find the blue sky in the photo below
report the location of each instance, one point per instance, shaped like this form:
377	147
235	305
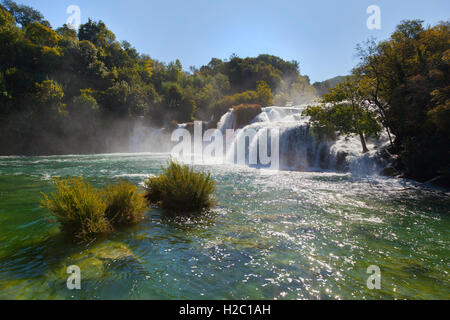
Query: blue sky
320	34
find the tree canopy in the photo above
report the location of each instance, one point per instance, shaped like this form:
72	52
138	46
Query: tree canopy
52	81
65	91
404	82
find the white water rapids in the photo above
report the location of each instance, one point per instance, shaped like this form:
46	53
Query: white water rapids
299	149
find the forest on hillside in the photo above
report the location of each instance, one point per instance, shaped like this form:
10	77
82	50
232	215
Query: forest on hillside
402	85
65	91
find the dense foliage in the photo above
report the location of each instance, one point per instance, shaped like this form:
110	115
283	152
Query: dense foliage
181	190
79	208
63	91
403	83
407	78
125	205
345	112
84	211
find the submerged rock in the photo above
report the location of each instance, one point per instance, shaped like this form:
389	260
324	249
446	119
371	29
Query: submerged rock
112	251
95	262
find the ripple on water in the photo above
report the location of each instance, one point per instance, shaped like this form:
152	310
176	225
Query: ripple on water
274	235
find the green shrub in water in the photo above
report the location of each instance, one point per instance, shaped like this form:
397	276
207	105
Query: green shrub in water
85	211
78	207
180	189
124	204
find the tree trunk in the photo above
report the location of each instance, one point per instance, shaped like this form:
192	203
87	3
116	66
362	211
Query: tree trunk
363	142
389	135
356	118
382	111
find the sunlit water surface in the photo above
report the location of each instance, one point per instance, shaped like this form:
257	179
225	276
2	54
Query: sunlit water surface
273	235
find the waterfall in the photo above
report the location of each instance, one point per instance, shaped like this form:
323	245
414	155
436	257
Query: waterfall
228	121
299	149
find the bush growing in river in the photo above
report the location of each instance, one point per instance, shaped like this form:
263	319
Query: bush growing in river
85	211
180	189
78	207
124	204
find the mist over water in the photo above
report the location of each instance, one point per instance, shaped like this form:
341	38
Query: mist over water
145	138
298	148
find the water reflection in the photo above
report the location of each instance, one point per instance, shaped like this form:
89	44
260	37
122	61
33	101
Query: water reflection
273	235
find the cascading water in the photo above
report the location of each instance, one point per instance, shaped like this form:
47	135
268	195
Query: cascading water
228	121
299	149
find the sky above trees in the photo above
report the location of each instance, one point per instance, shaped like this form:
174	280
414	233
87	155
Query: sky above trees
321	35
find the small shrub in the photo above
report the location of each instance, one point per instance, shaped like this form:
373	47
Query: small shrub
124	204
85	211
78	207
245	113
180	189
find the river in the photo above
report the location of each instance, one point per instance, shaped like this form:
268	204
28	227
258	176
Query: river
273	235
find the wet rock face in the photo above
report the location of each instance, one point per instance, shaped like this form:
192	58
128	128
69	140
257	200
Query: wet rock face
324	157
341	162
389	162
245	113
390	171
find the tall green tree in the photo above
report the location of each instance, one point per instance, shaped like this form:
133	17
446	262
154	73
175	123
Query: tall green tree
24	15
407	78
343	110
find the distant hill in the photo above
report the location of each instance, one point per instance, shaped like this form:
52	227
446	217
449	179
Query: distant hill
322	87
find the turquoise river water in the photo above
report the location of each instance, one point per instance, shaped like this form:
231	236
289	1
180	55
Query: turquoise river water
273	235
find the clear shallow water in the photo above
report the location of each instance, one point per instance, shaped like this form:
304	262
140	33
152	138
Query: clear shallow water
274	235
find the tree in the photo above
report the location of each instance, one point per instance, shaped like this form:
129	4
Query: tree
146	69
344	111
85	103
24	15
97	33
116	99
174	71
406	78
7	21
173	96
301	91
49	98
264	94
67	33
41	35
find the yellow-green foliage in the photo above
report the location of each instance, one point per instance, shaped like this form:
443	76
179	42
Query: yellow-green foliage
125	205
85	211
41	35
78	207
180	189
